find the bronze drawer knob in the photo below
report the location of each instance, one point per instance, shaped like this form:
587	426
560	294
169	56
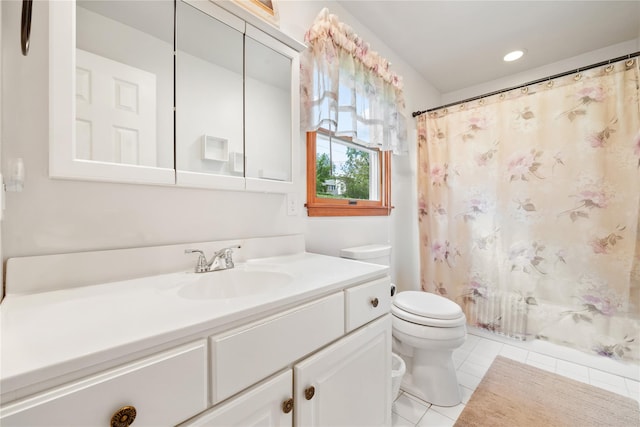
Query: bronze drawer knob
309	393
123	417
287	406
374	302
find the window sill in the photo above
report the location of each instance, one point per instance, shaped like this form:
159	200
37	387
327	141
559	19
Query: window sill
324	210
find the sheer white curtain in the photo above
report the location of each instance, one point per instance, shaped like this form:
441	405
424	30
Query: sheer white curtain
349	89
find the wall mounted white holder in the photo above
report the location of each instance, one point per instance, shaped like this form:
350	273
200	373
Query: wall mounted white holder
214	148
15	175
237	162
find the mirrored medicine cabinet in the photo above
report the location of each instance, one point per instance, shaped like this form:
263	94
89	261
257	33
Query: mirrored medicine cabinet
173	93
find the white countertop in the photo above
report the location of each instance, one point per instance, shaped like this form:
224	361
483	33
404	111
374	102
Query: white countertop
51	334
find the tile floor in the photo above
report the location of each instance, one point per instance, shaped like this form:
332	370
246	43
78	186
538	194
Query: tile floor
473	359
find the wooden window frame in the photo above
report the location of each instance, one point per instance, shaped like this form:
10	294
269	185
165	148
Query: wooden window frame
320	206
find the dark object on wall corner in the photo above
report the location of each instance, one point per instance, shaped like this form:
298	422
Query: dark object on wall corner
25	26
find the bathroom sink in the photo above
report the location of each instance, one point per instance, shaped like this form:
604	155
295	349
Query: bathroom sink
232	283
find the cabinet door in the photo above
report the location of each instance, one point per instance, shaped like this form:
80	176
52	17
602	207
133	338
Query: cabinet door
263	405
111	91
349	382
271	112
209	97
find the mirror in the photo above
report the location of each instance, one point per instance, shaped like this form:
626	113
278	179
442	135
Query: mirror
267	112
124	82
209	99
166	92
111	91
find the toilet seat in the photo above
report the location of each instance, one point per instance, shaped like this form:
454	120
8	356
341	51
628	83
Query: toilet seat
427	309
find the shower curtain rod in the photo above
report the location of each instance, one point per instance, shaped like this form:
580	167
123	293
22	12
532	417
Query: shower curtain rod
555	76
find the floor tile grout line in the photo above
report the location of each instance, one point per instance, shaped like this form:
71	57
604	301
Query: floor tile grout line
627	381
408	421
586	360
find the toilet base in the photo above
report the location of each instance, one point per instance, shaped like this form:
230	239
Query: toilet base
434	382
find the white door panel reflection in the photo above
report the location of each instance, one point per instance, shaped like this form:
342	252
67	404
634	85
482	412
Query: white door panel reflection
115	111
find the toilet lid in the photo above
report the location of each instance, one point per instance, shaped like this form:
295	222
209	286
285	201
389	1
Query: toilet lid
428	305
428	321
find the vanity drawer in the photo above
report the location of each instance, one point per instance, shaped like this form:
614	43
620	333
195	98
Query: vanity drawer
164	389
249	354
367	302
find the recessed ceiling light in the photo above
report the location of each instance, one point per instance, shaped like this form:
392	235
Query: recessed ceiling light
512	56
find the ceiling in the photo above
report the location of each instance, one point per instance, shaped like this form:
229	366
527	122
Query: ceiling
458	44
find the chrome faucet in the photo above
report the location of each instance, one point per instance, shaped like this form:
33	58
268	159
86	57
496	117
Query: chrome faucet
221	260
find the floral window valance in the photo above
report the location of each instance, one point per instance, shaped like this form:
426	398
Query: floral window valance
349	89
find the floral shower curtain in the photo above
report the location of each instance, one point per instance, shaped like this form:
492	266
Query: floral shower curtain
533	195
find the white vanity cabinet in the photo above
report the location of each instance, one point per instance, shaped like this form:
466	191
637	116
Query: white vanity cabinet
312	355
163	390
346	383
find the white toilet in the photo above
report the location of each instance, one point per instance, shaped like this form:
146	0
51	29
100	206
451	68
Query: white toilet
427	328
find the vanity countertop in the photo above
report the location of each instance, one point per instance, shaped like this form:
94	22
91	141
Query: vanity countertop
50	334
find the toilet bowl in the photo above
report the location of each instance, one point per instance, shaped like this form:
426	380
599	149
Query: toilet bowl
427	328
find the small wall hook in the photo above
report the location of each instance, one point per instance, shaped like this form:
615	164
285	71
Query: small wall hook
25	26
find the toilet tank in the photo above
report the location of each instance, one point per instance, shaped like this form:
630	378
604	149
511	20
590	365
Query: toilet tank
376	254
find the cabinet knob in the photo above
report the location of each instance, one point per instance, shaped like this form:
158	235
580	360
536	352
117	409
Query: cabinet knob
123	417
287	406
309	392
374	302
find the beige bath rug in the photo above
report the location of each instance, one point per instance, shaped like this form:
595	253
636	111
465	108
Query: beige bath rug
516	395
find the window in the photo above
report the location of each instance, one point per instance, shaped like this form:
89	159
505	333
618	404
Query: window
346	179
348	88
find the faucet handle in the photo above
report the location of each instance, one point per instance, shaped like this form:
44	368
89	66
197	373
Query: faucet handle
190	251
226	252
202	264
227	255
